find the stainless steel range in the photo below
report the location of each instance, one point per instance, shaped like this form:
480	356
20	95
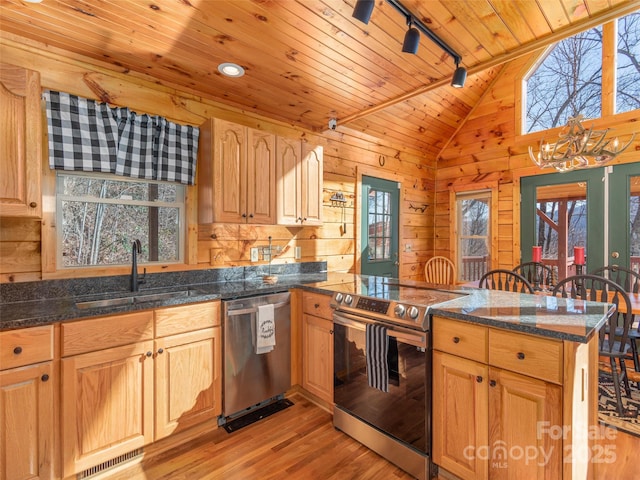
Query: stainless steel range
383	394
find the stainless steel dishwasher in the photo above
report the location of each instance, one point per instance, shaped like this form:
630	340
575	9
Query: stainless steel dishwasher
252	379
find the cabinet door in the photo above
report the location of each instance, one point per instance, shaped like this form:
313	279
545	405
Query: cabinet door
188	380
26	422
107	405
525	419
229	172
312	174
20	143
289	175
261	177
317	362
460	390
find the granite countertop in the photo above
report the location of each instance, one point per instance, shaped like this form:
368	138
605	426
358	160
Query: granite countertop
565	319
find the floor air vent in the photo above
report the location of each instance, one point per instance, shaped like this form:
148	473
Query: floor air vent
114	462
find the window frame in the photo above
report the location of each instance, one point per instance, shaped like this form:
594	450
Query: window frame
489	189
609	79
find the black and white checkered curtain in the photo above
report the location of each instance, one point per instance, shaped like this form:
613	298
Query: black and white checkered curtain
92	137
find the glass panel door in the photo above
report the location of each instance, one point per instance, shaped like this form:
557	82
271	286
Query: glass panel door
380	213
596	208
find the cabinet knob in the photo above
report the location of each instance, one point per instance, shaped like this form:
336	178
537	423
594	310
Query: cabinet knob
160	351
44	377
330	332
316	305
149	354
251	215
17	350
492	383
456	339
244	215
305	219
33	204
479	379
520	356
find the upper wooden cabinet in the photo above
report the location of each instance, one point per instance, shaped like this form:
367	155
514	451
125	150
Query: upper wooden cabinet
236	174
247	175
20	142
299	171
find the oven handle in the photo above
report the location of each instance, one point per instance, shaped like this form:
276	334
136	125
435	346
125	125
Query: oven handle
359	323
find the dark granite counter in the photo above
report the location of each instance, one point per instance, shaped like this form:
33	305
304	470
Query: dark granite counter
565	319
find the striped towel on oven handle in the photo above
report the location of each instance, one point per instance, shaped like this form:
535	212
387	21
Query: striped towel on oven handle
377	347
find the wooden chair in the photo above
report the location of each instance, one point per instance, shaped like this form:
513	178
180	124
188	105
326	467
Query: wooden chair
506	280
630	283
627	279
600	289
539	275
440	270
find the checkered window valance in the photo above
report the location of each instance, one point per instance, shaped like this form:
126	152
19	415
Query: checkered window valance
93	137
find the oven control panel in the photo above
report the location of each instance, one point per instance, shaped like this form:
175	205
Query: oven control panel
373	305
386	310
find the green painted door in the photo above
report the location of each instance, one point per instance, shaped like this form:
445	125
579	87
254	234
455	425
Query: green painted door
602	208
624	216
380	211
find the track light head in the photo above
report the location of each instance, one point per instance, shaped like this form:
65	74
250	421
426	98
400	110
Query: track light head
459	77
411	40
363	9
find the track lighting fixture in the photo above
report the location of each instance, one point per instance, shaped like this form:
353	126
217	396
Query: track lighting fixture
411	39
459	76
363	9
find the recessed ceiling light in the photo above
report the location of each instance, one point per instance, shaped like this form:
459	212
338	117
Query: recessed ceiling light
33	1
231	69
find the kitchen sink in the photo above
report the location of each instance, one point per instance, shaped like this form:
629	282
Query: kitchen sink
149	297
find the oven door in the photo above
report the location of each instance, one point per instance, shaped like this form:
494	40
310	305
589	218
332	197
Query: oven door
402	412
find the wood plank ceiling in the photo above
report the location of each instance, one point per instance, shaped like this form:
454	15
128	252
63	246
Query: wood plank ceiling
307	61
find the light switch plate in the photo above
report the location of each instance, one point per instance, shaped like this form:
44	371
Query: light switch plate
254	254
298	254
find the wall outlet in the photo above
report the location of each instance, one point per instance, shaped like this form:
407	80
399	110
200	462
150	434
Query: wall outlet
407	247
254	254
298	254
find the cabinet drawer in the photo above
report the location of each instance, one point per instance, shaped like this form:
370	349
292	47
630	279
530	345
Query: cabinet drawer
106	332
26	346
187	318
460	338
317	304
534	356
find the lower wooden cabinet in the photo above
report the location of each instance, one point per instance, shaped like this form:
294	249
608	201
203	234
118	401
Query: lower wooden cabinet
188	380
26	422
28	388
119	394
499	423
317	345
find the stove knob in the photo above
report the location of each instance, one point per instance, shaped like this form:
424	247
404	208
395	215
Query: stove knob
399	310
348	299
339	297
413	313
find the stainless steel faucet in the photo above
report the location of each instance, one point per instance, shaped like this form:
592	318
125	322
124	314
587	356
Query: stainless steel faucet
136	279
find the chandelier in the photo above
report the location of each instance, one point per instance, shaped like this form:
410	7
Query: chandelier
578	148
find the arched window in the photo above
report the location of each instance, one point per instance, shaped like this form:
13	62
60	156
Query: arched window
568	80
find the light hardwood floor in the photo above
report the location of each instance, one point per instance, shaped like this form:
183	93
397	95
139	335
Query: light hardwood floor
301	443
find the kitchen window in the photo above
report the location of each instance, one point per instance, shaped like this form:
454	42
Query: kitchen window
100	215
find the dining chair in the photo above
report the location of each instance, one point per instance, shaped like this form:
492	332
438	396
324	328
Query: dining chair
616	346
629	280
440	270
539	275
507	280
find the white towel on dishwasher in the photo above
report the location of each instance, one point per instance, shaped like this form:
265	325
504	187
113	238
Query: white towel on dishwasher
265	329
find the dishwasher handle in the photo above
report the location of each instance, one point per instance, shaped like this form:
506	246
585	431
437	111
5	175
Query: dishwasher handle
244	311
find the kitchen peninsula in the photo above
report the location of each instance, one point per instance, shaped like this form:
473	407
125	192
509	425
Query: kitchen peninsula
499	359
